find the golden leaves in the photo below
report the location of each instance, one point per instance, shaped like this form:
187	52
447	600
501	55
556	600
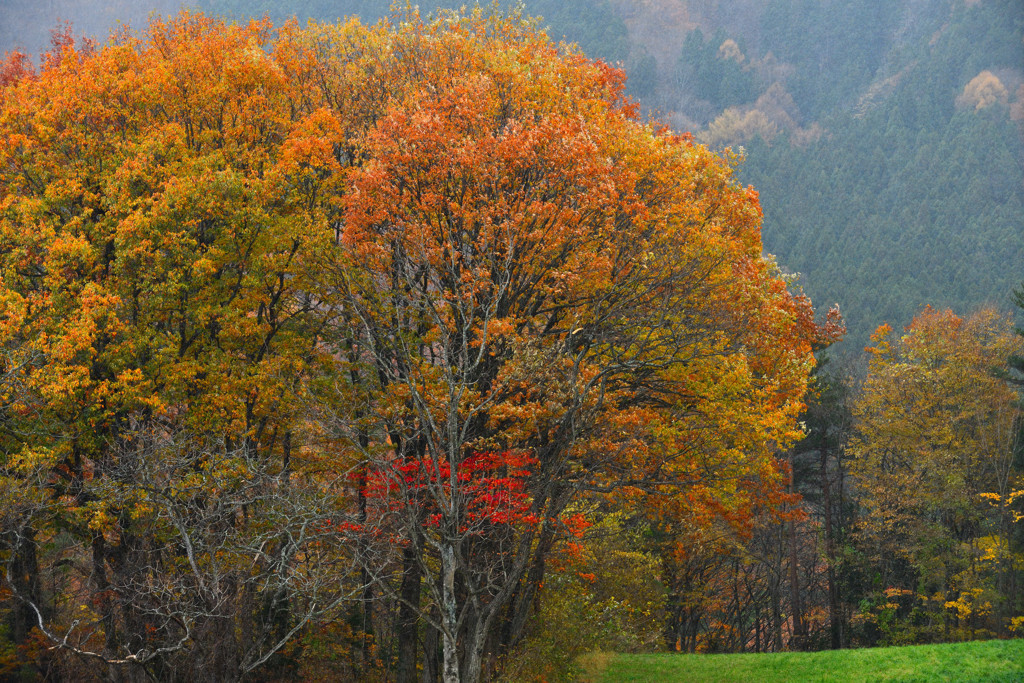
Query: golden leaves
934	425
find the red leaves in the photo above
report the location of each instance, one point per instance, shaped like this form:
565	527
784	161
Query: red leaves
15	67
833	329
490	488
63	46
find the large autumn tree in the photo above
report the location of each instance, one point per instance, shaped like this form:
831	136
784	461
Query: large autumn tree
406	296
527	269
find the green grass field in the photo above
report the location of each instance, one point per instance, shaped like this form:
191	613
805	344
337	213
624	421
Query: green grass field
993	660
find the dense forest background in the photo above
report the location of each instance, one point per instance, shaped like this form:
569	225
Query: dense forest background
884	137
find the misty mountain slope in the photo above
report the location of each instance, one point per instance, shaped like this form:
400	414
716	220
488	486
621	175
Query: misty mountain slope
915	195
885	138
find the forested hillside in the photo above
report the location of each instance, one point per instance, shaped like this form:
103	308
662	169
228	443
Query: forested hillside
885	138
911	190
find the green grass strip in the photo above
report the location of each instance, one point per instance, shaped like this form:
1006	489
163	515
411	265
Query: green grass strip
993	660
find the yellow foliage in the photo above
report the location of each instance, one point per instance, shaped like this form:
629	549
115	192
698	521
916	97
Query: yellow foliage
730	50
982	91
734	126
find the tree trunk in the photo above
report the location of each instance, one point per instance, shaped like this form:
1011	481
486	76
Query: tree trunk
523	600
25	577
775	589
795	599
757	622
834	617
449	616
474	655
408	623
740	633
430	672
101	593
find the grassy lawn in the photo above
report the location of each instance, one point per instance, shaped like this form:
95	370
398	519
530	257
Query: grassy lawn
993	660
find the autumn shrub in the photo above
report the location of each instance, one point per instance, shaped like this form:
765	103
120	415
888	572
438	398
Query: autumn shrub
602	596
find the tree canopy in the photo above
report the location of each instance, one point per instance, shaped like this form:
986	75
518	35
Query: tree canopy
300	319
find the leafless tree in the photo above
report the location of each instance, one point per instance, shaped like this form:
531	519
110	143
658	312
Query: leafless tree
202	563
